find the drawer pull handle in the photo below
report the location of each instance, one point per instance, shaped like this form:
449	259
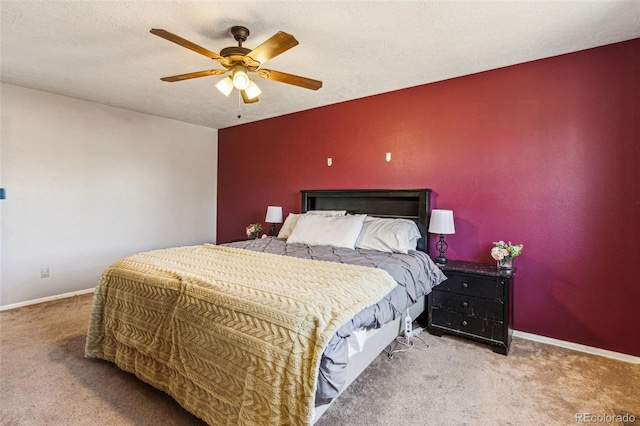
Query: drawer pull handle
464	323
465	285
465	304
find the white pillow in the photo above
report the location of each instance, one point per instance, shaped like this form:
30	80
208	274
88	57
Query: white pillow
336	231
328	212
292	219
288	225
390	235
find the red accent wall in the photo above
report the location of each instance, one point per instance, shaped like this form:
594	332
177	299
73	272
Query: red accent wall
545	153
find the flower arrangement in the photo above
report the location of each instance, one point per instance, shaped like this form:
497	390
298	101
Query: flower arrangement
505	251
253	230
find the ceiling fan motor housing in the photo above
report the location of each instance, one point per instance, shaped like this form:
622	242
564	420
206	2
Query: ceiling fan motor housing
228	52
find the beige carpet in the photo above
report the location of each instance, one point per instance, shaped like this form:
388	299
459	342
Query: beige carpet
45	380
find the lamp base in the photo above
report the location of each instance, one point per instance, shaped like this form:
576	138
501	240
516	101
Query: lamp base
441	260
273	231
441	246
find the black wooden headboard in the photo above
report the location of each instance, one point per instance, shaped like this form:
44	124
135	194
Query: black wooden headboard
414	204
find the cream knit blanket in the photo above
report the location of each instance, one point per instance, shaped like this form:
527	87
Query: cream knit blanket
235	336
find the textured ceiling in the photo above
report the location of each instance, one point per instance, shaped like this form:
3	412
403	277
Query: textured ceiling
102	51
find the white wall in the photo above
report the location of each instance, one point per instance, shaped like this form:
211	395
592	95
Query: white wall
88	184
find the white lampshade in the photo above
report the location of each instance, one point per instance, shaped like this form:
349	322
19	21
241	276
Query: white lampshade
252	90
240	77
225	86
442	222
274	214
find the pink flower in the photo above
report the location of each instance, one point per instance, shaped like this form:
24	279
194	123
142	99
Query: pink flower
499	253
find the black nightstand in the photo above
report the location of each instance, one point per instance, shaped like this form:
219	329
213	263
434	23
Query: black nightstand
476	302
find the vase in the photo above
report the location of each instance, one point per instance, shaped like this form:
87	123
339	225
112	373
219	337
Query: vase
506	264
253	236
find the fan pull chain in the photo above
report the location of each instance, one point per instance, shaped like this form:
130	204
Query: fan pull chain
239	105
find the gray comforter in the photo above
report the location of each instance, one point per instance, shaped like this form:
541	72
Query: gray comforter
415	273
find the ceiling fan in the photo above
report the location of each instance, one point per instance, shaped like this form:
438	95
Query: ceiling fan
240	61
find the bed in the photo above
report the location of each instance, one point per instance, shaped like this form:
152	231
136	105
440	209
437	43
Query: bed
255	332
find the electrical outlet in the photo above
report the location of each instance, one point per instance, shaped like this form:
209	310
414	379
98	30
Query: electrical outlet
44	273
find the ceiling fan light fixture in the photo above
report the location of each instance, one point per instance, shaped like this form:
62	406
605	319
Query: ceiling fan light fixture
252	90
240	78
225	86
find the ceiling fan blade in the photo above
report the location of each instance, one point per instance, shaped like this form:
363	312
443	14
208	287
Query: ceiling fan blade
193	75
246	99
189	45
277	44
296	80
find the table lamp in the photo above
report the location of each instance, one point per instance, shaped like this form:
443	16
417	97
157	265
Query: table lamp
274	215
441	222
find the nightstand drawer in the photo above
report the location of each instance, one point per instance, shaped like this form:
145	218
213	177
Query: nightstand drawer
467	323
483	308
488	288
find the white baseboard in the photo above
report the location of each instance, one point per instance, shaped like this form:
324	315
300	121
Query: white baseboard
578	347
46	299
